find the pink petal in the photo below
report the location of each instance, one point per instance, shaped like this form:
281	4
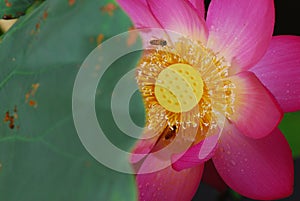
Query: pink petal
179	16
160	154
143	146
197	154
199	6
241	30
143	20
279	71
256	112
169	184
259	169
211	177
139	13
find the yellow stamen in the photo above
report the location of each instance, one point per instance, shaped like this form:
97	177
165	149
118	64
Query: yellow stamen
179	88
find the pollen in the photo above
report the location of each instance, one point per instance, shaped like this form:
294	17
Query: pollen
179	88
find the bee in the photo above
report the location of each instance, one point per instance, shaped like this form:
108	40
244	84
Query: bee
167	136
160	42
170	133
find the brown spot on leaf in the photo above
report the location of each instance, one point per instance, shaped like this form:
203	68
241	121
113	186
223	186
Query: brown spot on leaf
32	103
10	119
29	96
109	9
45	15
92	39
7	3
12	124
132	37
6	117
37	26
16	116
34	88
16	112
7	17
72	2
100	38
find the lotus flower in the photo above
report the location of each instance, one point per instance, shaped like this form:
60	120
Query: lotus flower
225	68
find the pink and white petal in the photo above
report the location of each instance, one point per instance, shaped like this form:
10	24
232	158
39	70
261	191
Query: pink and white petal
150	136
168	184
240	31
211	177
256	112
139	13
179	16
143	146
259	169
279	71
143	20
199	6
197	154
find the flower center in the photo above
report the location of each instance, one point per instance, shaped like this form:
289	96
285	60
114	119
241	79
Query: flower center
185	88
179	88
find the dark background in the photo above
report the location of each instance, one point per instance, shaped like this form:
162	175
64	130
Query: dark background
287	23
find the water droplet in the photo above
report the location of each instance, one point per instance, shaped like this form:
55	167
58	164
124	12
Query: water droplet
233	162
154	195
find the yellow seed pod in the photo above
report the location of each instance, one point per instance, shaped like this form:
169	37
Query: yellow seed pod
179	88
